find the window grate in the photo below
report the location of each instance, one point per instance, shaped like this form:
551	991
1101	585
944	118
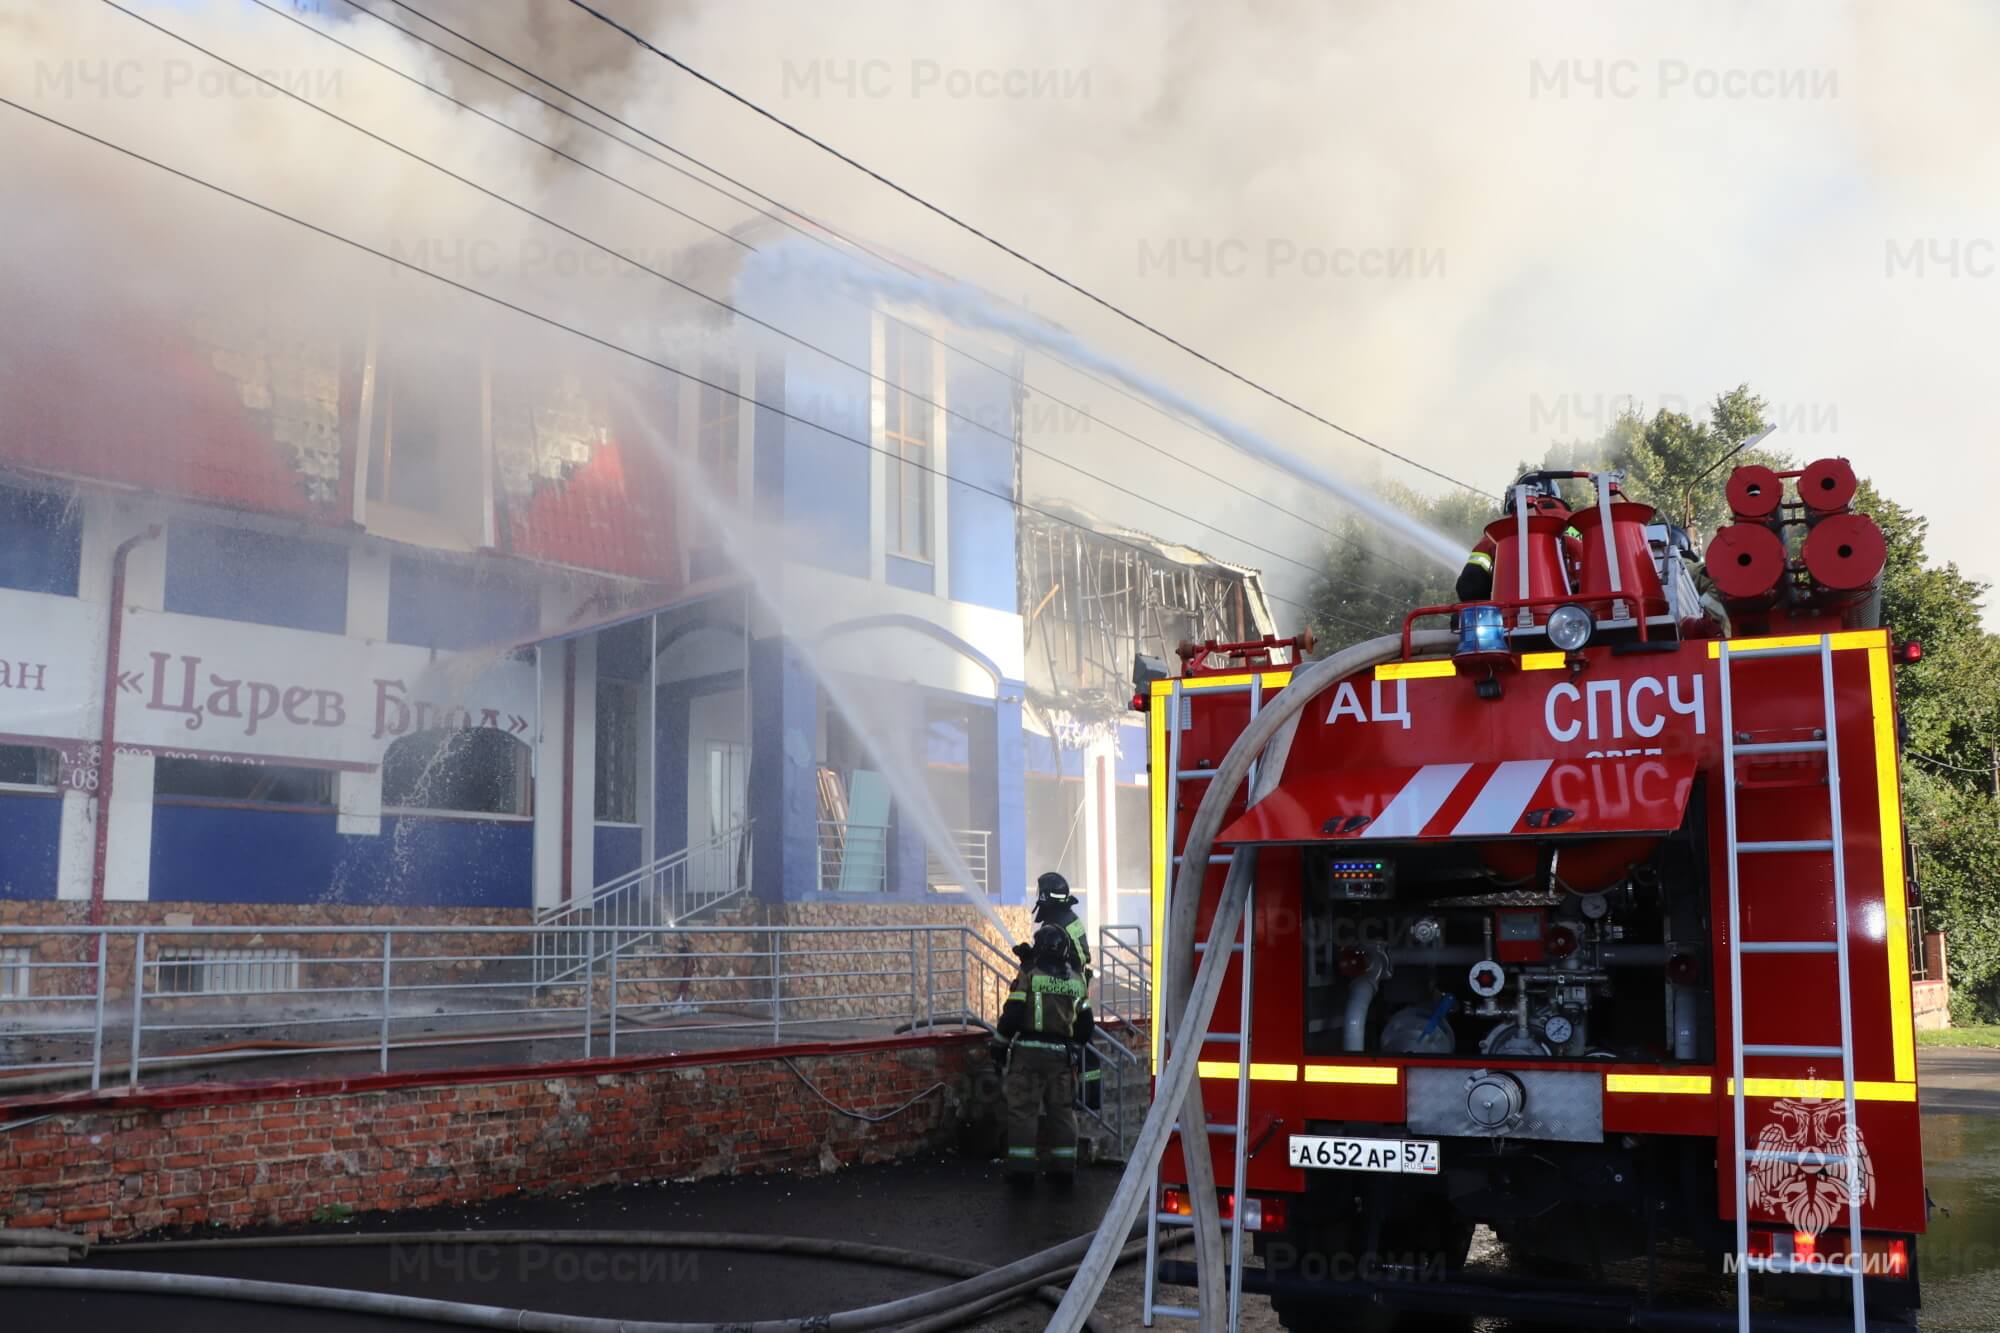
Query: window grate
17	979
225	971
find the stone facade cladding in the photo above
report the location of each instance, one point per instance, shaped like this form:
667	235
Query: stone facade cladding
266	923
272	1156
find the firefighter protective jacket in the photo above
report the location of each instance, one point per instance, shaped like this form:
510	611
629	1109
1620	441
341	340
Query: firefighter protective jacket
1046	1007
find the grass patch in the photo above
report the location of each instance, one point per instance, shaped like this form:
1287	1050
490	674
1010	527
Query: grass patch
1984	1034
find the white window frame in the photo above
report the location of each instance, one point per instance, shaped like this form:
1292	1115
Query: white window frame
880	457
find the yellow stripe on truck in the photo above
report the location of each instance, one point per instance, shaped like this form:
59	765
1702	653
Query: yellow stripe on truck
1377	1075
1259	1073
1415	670
1888	799
1161	785
1676	1083
1821	1089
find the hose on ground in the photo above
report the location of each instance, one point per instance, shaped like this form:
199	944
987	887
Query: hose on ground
1192	1003
980	1289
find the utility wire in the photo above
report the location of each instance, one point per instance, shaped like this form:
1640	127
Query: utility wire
691	290
812	234
1986	773
1006	249
596	340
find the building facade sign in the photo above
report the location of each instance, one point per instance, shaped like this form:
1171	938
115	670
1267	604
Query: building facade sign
191	684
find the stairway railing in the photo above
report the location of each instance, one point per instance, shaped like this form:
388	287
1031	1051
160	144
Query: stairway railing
675	890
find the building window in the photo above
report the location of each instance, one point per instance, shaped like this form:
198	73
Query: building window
224	971
41	541
476	772
239	782
423	447
17	977
617	751
717	434
30	766
907	440
453	606
238	574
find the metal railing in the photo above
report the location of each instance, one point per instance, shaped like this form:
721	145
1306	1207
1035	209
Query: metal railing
118	1004
853	858
975	848
1124	981
678	889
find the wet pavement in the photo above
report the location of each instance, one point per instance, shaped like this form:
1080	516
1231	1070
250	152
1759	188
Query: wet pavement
951	1206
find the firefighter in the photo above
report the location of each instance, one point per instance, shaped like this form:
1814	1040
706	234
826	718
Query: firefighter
1055	905
1475	579
1047	1017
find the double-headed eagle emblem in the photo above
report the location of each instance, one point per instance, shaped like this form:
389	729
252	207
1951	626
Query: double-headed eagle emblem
1801	1166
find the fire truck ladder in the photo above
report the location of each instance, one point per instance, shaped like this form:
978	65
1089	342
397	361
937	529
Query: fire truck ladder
1156	1215
1828	743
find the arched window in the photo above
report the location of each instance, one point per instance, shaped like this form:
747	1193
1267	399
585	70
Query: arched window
478	771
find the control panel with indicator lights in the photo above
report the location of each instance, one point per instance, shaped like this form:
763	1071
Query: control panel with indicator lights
1371	878
1518	934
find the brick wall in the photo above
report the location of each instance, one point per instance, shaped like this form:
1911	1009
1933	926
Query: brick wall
252	1157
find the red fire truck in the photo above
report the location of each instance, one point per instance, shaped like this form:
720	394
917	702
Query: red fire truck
1592	931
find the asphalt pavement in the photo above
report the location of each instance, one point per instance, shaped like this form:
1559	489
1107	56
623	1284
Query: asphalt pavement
945	1205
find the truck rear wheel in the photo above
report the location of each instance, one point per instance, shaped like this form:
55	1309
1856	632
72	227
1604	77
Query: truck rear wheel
1412	1247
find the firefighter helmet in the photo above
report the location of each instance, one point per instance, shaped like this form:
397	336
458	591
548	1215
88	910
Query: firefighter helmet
1052	950
1053	888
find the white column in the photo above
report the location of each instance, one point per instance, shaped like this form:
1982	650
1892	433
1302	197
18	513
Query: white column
649	694
358	796
583	808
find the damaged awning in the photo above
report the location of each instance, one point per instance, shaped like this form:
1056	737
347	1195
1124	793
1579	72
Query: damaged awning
1523	798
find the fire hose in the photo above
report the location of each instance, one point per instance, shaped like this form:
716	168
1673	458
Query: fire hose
980	1288
1176	1094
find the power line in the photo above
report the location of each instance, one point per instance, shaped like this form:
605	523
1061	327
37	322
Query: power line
596	340
1986	773
810	235
691	290
1004	248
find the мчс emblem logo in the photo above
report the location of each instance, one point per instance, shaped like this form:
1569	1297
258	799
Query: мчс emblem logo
1801	1167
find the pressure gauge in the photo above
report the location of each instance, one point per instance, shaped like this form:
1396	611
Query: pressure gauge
1558	1029
1593	906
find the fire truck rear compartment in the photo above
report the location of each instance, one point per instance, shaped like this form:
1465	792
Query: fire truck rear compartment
1426	950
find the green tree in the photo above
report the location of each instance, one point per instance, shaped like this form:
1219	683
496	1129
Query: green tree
1671	461
1371	583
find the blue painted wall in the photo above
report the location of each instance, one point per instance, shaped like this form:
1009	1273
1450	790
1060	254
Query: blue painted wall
434	604
784	779
237	574
213	853
806	474
916	575
979	461
30	837
618	850
41	541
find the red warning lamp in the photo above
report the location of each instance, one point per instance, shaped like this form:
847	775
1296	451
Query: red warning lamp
1138	703
1906	653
